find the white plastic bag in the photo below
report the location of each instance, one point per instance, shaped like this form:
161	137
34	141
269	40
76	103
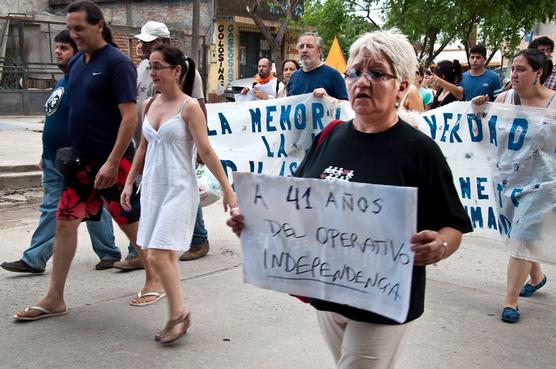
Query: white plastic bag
209	188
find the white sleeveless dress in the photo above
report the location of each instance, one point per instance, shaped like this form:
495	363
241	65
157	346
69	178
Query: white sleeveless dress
169	191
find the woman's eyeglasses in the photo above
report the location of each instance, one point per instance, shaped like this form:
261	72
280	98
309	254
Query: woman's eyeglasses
372	75
158	68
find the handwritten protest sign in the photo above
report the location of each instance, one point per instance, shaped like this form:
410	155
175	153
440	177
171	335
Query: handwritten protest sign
338	241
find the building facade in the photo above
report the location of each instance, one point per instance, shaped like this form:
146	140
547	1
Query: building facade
237	43
230	44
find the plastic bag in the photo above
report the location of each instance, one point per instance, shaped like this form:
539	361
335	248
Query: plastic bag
209	188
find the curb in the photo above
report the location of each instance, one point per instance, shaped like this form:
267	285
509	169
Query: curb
19	177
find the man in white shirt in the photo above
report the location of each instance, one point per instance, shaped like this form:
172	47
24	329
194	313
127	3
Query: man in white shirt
265	86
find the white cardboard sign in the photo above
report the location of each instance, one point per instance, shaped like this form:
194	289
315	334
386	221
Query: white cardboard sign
342	242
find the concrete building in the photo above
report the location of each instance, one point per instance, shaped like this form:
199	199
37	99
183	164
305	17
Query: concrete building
237	43
230	43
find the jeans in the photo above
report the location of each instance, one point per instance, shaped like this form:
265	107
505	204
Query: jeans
42	241
200	233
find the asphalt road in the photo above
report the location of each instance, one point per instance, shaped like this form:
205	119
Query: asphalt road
235	325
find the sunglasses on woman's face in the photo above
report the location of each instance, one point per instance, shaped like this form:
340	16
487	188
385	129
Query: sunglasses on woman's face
159	67
373	75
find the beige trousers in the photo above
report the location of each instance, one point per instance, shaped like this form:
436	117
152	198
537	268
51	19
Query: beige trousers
359	345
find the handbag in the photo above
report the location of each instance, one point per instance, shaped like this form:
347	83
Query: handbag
67	162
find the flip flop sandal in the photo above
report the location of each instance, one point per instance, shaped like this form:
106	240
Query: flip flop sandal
157	295
44	313
172	331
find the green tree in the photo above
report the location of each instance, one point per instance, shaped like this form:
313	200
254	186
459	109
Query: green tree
335	18
275	37
433	24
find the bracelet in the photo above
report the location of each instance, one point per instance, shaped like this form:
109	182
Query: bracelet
445	246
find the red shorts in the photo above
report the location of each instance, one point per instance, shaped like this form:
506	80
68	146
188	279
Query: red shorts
80	200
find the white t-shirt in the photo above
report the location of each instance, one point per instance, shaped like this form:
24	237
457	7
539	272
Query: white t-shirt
268	89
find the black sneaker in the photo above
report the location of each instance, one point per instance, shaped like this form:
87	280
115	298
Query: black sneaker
20	267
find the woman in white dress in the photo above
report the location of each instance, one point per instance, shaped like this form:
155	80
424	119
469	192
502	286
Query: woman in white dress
174	129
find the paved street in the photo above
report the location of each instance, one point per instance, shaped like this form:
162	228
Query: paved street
235	325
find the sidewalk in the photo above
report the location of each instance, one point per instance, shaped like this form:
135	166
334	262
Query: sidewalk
238	326
20	152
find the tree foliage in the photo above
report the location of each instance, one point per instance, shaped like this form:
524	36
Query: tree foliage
335	18
432	24
275	38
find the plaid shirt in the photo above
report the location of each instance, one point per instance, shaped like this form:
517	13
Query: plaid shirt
551	80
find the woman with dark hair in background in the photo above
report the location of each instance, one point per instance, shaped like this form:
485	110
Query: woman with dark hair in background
426	93
288	67
446	71
528	75
174	128
546	45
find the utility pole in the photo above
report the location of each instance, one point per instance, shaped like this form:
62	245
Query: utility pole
195	31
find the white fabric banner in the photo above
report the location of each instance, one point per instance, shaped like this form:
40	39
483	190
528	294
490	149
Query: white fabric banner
270	136
504	162
337	241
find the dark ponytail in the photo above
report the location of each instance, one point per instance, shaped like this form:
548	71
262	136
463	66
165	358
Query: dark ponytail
93	15
451	70
189	78
458	74
107	35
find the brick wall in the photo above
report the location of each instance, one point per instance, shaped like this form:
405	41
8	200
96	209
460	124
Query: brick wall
127	43
176	14
26	7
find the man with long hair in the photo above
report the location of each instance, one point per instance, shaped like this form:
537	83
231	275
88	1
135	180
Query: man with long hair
102	119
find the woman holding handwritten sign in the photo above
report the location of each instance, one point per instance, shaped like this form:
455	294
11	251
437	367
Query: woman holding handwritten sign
529	71
377	147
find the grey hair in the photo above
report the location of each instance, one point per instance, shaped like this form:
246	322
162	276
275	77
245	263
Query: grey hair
390	44
320	42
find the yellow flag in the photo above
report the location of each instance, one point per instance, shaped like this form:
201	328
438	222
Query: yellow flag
335	58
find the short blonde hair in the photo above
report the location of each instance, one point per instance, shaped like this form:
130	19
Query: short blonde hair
390	44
